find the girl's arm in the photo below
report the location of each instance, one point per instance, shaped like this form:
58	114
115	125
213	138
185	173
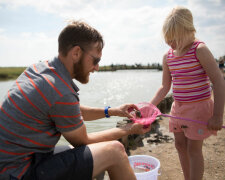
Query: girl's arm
211	68
166	83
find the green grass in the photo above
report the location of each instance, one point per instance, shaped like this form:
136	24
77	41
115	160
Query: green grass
7	73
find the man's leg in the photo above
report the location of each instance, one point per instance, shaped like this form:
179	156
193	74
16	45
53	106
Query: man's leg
75	163
111	156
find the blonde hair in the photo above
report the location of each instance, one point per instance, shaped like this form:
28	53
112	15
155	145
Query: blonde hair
178	26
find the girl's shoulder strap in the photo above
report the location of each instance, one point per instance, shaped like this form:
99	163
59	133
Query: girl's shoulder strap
196	43
170	52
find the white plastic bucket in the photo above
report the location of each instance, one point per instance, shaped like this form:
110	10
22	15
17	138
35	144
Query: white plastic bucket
145	167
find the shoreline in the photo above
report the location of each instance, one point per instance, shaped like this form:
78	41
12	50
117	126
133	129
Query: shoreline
12	73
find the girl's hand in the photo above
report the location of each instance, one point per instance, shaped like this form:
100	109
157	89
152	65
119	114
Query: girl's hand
215	123
123	110
135	128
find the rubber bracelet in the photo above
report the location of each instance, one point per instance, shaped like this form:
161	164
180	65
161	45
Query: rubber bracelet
106	111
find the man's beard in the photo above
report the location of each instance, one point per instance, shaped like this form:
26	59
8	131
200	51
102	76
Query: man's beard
78	71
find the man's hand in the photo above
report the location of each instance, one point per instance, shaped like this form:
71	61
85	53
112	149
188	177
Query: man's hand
135	128
123	110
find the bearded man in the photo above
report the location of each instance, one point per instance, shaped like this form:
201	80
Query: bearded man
43	104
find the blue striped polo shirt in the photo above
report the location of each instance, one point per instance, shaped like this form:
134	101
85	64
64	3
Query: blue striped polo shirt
42	103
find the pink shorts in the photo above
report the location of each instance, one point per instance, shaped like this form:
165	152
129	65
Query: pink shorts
200	111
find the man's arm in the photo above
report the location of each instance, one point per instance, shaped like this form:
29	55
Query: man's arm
93	113
80	137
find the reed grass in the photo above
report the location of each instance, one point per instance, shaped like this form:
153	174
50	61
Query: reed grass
7	73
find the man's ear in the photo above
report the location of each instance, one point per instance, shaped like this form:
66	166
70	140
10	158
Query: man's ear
76	53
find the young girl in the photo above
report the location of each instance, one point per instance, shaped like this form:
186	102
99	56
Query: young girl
190	66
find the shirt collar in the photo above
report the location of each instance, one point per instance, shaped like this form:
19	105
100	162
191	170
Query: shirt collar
61	69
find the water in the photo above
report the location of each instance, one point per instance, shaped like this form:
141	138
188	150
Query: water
141	169
111	89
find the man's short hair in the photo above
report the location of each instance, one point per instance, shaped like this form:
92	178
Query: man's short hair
78	33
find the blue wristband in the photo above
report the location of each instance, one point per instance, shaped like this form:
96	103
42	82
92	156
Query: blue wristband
106	111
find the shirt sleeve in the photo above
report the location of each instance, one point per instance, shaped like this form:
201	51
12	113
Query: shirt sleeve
66	114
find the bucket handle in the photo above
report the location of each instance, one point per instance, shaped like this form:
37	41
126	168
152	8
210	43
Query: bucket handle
158	174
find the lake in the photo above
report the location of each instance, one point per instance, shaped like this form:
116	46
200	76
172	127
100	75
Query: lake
111	89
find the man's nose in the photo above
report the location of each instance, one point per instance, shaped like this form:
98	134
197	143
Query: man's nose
96	68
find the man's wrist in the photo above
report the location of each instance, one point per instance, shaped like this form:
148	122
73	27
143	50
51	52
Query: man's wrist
106	111
128	128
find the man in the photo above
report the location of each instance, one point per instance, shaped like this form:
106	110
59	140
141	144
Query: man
43	104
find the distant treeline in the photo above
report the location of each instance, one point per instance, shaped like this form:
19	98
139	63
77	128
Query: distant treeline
7	73
114	67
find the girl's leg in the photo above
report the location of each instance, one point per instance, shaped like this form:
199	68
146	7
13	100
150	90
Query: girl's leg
182	149
196	159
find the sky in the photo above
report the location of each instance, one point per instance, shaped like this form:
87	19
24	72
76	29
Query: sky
131	29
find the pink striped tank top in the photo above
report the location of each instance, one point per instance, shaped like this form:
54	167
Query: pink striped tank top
190	81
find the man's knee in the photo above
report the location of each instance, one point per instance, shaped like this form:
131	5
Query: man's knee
117	149
116	146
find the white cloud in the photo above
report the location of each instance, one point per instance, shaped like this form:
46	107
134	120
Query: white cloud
131	28
26	49
2	30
